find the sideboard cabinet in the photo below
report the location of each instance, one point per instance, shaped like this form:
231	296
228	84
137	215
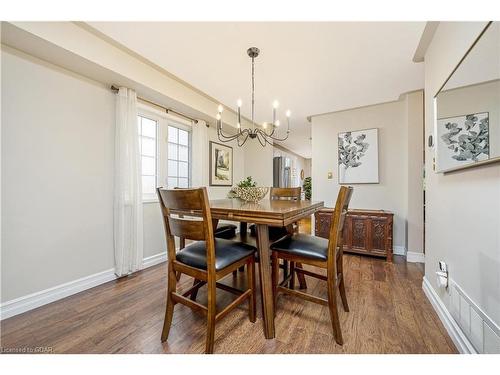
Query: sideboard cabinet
366	232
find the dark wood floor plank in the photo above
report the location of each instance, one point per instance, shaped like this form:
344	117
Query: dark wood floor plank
389	314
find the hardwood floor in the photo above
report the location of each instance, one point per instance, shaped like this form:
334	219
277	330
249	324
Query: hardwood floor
389	314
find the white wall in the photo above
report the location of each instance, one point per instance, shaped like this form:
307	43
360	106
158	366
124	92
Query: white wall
463	208
392	192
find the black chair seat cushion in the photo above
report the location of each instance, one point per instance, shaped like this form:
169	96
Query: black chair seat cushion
226	253
303	245
275	233
226	231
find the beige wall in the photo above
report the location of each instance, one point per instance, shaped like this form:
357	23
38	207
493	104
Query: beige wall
57	177
415	173
463	208
393	121
259	162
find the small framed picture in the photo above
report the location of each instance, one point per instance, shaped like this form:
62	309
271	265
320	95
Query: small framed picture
221	164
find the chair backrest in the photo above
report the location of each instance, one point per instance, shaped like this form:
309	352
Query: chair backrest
186	214
338	220
285	193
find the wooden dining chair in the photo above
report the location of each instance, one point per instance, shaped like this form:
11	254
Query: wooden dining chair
186	214
319	252
277	233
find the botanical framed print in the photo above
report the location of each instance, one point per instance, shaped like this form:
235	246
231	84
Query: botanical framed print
358	157
462	140
221	164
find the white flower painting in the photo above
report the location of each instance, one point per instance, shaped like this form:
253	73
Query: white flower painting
358	157
462	140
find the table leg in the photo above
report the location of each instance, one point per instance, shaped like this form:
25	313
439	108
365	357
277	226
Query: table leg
215	222
243	228
265	280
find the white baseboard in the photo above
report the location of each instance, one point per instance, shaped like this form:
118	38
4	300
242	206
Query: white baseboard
154	260
414	257
399	250
43	297
459	338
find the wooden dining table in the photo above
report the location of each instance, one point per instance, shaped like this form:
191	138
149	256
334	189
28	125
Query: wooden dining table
277	213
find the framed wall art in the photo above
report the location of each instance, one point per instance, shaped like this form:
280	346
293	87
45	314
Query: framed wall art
221	164
358	157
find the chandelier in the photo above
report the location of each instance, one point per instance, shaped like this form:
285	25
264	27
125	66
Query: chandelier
266	134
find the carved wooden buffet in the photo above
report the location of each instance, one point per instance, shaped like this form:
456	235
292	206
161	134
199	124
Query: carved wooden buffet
365	231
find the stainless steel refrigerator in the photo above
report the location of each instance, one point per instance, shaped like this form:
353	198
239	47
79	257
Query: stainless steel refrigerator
282	172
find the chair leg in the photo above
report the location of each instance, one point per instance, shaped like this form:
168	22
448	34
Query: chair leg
194	293
301	277
340	270
252	306
292	273
342	293
285	268
275	264
211	313
169	311
332	306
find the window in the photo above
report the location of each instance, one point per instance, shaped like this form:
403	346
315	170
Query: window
178	148
148	151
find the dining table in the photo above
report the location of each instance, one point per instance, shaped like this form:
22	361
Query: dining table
265	213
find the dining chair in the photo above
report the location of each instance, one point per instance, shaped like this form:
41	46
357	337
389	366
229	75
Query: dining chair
277	233
186	214
318	252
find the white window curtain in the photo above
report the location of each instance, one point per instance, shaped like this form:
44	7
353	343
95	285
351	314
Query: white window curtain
128	226
200	167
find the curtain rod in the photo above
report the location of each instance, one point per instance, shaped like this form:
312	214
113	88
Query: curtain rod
167	110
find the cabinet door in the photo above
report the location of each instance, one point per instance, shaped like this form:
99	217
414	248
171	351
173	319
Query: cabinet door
379	234
359	232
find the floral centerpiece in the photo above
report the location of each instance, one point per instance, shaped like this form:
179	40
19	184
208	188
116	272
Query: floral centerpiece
248	190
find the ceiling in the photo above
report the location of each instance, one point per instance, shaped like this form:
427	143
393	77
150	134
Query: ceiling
310	68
